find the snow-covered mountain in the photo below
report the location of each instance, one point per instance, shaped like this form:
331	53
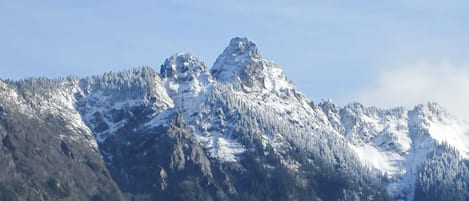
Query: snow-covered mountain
396	142
239	130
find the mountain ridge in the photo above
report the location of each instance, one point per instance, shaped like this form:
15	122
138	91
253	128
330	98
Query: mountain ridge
238	123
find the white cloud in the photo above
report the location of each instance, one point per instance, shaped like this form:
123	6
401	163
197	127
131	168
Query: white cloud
411	84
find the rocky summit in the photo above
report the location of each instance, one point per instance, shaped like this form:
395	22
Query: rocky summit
239	130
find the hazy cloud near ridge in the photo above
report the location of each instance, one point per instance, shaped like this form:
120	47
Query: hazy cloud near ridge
413	83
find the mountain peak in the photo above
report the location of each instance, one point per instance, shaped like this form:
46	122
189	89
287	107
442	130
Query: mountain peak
183	72
242	46
182	66
233	63
433	112
241	64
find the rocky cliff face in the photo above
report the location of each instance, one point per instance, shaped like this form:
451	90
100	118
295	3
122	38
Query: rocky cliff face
238	131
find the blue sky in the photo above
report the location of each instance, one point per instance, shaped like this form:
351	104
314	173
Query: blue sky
340	50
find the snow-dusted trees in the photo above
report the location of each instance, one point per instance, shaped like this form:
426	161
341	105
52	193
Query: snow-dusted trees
133	83
320	159
443	176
